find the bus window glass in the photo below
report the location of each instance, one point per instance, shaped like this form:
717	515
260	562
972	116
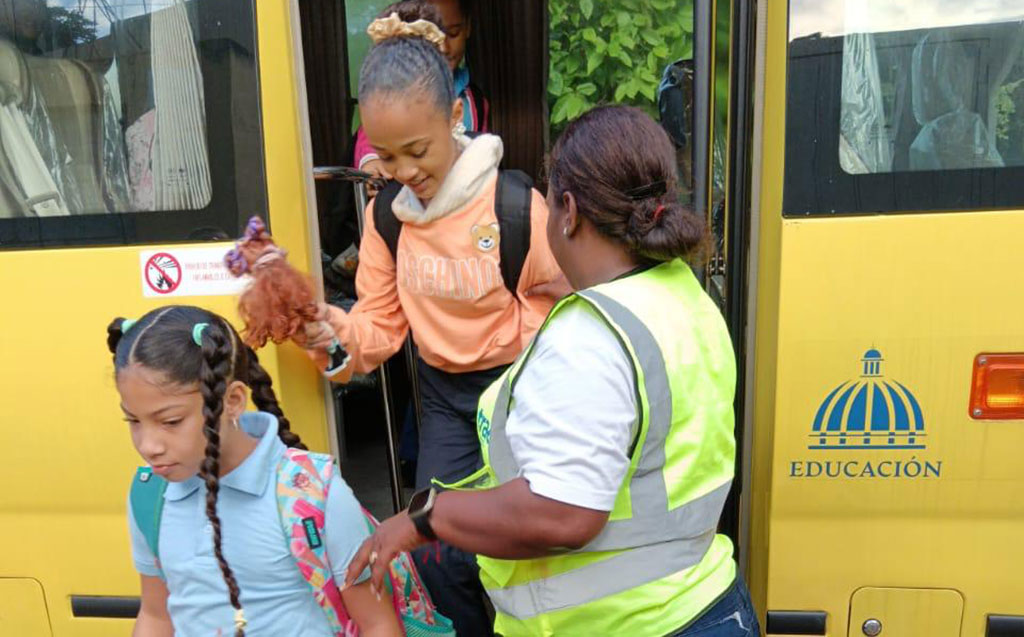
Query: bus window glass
127	122
904	106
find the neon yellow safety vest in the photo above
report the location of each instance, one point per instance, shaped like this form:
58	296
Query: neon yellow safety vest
658	562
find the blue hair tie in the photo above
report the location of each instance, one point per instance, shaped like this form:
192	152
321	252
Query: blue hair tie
197	333
127	324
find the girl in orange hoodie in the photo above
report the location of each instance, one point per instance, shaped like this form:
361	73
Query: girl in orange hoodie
445	282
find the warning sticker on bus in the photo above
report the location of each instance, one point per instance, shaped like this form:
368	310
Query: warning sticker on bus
187	272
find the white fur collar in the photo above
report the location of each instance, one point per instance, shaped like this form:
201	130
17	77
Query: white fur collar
475	168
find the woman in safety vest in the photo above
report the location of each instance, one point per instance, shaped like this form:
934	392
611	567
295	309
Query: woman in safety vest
608	446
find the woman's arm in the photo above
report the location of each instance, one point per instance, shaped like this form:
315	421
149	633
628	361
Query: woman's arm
509	522
375	617
153	619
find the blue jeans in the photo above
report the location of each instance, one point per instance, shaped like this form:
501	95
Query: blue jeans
731	616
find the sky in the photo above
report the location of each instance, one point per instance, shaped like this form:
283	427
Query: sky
837	17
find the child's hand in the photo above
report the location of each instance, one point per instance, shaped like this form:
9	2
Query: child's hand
393	536
316	334
376	168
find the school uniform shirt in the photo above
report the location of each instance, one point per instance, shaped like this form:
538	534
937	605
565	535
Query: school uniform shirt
475	115
276	598
574	411
446	281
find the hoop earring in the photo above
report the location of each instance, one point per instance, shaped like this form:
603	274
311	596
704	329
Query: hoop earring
565	232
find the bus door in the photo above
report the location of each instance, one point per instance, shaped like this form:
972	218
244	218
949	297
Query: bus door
889	378
132	150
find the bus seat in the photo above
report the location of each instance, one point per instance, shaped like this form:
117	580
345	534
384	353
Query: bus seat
72	94
944	86
27	185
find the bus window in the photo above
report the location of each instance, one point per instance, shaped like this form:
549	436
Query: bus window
904	106
125	122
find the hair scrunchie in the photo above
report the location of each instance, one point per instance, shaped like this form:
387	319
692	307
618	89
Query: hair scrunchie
394	27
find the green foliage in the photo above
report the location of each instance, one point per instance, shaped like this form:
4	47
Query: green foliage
613	51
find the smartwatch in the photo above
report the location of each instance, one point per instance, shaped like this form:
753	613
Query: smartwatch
420	507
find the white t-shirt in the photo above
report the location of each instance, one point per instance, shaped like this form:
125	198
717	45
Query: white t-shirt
574	411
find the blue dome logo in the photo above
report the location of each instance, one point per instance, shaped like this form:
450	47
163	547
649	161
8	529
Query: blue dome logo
871	412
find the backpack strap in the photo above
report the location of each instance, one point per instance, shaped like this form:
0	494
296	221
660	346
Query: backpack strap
384	220
512	201
303	480
480	107
147	500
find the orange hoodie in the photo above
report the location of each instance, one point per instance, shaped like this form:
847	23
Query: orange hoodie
447	284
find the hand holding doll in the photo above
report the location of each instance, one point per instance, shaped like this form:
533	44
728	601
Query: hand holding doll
280	302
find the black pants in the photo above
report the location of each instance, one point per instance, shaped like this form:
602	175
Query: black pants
450	450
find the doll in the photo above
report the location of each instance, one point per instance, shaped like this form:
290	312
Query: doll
280	300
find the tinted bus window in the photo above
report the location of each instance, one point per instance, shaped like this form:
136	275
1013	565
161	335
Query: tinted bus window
904	105
126	122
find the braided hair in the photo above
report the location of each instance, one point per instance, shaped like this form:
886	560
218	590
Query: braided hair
160	341
405	64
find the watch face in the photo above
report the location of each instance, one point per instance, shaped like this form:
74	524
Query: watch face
419	500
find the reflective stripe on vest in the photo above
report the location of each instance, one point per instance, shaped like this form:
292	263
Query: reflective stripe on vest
621	572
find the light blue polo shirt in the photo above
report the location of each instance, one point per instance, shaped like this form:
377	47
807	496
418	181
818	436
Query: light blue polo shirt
276	599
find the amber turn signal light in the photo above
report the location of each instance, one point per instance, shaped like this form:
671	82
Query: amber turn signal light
997	387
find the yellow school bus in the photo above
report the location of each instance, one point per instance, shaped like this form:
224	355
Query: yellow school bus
861	164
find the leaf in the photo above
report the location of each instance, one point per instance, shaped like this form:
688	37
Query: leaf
588	89
648	91
575	106
587	8
620	92
556	83
590	35
624	57
607	20
623	18
559	113
632	88
627	41
594	60
651	37
614	48
572	64
661	51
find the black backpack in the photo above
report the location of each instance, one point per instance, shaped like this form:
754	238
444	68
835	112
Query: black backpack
512	200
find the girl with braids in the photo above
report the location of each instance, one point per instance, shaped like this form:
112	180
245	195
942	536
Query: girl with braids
224	564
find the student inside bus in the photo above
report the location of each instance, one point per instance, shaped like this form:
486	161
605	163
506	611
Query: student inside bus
443	275
453	18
